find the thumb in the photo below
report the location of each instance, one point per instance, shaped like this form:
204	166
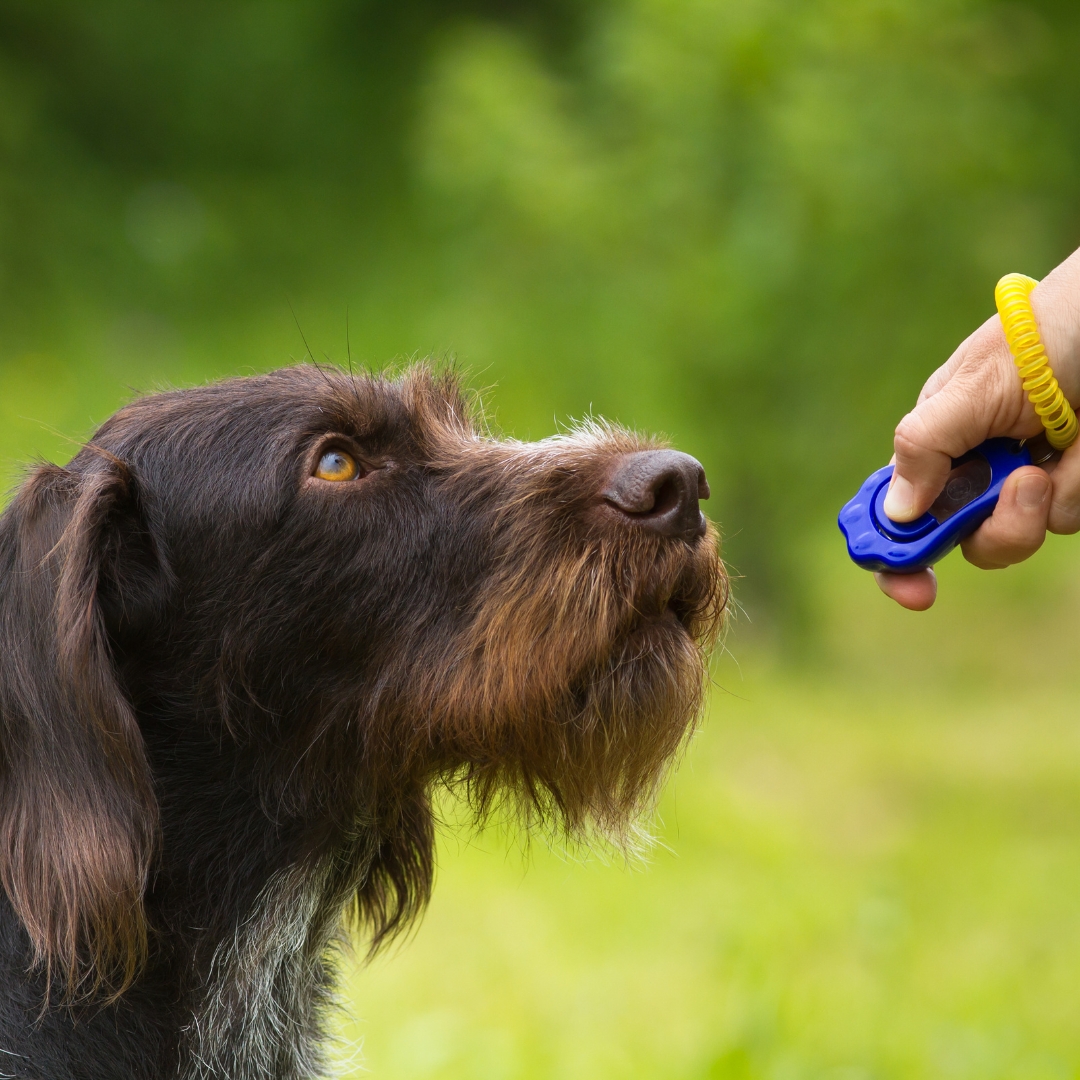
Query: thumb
938	429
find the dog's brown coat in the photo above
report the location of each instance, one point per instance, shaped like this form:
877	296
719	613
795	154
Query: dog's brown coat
225	682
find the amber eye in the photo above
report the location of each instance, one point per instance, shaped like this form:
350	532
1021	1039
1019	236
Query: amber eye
337	465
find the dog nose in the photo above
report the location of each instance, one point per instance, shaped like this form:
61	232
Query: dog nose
659	490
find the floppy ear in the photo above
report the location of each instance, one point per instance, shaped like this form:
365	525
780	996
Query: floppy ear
78	817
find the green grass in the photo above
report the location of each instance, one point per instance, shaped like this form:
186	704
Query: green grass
863	872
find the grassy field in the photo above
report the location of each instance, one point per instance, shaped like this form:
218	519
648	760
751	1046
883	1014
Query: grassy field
865	870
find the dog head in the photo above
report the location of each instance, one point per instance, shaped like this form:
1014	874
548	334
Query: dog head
348	584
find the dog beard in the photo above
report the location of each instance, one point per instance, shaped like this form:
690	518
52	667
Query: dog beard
566	705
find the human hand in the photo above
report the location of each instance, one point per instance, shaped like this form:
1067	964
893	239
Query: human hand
975	396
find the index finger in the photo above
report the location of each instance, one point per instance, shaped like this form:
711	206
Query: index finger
940	428
974	395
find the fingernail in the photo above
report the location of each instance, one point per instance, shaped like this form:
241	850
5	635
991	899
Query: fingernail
900	499
1031	491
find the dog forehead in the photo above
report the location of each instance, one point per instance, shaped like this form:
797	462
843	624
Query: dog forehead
233	450
260	419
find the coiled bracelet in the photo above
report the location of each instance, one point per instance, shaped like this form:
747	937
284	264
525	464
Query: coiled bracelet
1013	298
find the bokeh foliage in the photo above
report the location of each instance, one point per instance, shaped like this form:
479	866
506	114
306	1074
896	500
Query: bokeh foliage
754	224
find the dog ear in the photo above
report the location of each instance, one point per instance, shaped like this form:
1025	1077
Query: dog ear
78	817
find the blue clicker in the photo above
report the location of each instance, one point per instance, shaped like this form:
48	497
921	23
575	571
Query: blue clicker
876	542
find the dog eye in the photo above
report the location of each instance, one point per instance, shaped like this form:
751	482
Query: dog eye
337	465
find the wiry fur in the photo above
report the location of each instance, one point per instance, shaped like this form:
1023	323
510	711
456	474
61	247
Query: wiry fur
227	689
265	985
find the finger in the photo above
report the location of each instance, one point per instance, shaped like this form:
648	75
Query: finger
916	592
1065	502
1017	527
974	395
924	444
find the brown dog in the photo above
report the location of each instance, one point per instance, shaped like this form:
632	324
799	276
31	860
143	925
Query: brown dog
242	636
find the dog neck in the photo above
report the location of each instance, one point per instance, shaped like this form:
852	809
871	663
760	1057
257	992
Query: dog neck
268	988
249	902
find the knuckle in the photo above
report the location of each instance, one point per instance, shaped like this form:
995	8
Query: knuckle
979	558
909	438
1064	517
1003	542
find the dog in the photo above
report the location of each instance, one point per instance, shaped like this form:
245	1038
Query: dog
245	634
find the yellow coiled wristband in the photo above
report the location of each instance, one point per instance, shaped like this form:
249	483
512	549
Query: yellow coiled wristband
1013	298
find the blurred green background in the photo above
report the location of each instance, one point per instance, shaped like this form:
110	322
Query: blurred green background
755	225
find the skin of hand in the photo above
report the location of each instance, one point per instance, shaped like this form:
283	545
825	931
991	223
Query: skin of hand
977	395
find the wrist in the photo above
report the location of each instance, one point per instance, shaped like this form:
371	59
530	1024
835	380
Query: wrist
1056	304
